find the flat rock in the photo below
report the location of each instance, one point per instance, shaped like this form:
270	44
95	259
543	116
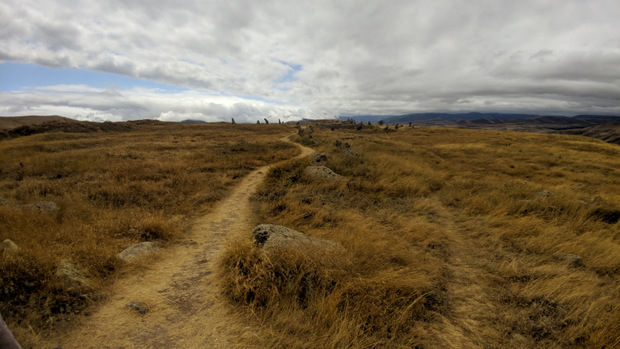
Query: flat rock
321	172
43	206
137	251
273	237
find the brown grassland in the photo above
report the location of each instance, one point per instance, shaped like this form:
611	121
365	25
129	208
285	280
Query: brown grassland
112	189
454	238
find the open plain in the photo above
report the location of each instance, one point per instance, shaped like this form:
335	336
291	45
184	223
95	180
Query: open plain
447	238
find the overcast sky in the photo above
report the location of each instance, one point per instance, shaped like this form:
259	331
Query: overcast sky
212	60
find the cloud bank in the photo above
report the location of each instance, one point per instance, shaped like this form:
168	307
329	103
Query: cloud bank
320	58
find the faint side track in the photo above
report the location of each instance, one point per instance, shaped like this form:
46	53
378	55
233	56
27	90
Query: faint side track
186	309
468	285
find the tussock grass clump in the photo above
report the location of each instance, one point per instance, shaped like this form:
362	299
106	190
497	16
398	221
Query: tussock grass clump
111	190
454	237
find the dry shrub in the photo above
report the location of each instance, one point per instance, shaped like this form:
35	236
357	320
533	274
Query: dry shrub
259	279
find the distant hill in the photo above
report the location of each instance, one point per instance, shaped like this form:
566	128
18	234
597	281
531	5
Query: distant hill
434	119
604	127
608	132
601	127
11	127
192	121
446	118
9	122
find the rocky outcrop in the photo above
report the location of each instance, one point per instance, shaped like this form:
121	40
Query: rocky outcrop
321	172
137	251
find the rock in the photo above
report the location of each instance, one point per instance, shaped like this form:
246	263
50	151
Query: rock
321	172
9	246
71	273
7	341
139	307
545	194
137	251
573	260
318	158
43	206
273	237
597	200
47	206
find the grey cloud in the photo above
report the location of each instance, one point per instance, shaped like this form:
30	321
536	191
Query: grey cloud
378	57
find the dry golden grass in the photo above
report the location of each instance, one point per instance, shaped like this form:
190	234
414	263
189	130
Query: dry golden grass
112	190
451	241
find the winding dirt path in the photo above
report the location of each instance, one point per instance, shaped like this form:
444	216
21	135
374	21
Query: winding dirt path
185	307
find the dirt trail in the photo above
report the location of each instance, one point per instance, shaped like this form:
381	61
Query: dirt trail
185	308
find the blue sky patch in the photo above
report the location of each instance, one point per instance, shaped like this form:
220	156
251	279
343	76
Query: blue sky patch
290	74
27	76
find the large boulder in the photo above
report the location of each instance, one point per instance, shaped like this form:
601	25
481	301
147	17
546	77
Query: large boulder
137	251
321	172
273	237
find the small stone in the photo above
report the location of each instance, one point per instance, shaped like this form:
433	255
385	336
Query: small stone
136	251
545	194
9	246
139	307
573	260
597	200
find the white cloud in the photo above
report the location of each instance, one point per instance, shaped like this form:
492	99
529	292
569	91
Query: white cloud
376	57
87	103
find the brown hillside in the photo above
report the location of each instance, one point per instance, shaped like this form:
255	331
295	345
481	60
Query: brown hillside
9	122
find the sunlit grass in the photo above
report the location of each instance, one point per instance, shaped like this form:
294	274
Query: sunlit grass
423	212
